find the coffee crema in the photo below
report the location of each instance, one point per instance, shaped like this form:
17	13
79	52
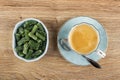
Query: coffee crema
83	38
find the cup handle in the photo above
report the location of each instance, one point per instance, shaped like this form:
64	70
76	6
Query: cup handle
101	53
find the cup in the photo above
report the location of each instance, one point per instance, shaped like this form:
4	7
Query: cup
84	39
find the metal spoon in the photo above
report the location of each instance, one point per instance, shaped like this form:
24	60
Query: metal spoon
65	46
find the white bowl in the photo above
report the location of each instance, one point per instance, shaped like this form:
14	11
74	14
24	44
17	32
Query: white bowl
14	41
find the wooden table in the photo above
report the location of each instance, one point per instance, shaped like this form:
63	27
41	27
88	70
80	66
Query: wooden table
54	13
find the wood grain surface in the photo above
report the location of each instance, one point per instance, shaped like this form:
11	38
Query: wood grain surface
54	13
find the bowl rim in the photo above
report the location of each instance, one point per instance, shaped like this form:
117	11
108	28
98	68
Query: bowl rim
17	25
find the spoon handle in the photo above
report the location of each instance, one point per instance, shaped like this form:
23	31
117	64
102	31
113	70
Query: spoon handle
95	64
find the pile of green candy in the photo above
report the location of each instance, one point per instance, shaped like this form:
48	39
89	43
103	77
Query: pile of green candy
30	39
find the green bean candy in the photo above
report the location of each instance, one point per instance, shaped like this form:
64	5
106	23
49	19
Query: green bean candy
40	36
29	23
27	37
29	54
21	30
43	46
43	33
29	28
33	45
26	31
25	49
40	26
17	36
22	41
36	46
39	41
26	24
19	48
37	53
34	29
23	35
32	36
26	34
20	54
32	22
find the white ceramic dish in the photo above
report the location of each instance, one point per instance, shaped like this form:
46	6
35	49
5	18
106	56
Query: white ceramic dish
14	41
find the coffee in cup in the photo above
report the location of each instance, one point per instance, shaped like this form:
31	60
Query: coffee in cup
83	38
